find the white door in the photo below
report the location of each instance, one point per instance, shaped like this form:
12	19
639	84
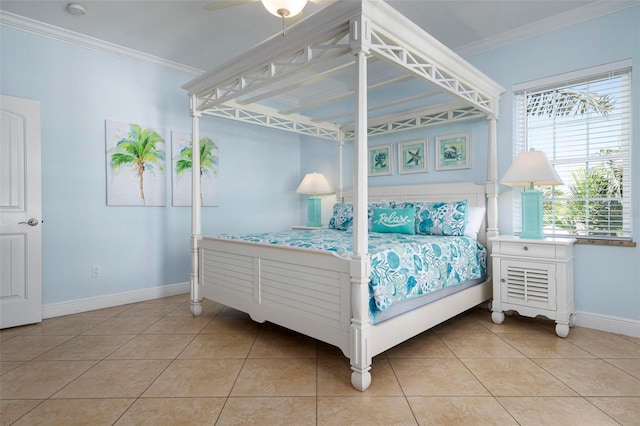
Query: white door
20	213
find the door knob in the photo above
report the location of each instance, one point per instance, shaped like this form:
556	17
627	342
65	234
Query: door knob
31	222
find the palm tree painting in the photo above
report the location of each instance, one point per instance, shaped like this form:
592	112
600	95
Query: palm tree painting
182	149
135	165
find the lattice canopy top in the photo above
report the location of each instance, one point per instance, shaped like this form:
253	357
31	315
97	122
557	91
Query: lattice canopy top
305	81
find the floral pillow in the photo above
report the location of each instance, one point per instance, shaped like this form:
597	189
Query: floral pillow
342	217
440	218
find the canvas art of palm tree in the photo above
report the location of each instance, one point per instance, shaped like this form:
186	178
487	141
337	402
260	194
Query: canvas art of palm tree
182	147
135	165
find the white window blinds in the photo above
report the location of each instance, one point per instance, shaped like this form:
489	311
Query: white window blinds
582	121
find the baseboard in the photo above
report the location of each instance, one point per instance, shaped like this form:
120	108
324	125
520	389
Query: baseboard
618	325
107	301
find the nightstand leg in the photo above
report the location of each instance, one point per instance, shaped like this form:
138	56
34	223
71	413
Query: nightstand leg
562	330
497	317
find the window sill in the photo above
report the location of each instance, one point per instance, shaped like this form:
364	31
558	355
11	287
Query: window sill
602	242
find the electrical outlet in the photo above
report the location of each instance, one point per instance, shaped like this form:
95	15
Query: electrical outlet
95	271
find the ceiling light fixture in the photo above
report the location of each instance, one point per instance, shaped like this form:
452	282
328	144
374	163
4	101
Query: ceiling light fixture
76	9
284	8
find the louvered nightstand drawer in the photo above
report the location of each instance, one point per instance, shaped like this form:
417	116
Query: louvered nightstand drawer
534	277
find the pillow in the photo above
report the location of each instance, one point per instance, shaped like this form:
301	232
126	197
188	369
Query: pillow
400	221
475	216
443	218
342	217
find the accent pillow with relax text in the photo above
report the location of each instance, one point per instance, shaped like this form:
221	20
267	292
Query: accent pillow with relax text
400	221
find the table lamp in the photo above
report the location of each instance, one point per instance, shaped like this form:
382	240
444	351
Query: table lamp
314	184
529	169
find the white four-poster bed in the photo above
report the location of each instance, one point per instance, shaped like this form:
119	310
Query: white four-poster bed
361	69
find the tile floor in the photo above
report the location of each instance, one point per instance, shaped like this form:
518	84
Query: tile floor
153	363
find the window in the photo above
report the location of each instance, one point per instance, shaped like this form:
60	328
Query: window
582	121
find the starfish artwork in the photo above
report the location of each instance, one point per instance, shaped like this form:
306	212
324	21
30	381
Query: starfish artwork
414	157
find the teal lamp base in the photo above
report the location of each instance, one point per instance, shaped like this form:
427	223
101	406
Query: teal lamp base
314	215
532	214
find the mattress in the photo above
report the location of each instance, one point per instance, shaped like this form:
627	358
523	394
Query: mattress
403	267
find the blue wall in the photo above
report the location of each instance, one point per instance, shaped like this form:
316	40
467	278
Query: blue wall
136	247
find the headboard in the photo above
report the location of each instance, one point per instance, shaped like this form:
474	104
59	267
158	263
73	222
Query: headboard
473	193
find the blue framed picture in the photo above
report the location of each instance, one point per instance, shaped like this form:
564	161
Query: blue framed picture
380	160
412	157
453	152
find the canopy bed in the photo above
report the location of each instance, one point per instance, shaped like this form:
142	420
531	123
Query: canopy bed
354	70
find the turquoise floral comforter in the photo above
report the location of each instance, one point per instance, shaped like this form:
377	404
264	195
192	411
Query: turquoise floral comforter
402	266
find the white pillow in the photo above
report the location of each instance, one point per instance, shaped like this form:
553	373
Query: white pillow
475	216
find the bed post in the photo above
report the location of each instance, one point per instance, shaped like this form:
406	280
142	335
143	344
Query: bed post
360	326
196	219
492	182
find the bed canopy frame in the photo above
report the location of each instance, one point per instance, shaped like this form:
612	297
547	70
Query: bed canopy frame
353	70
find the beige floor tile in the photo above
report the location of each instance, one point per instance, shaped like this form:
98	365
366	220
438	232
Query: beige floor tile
148	310
6	366
625	410
554	411
604	345
179	324
219	345
277	377
272	411
334	378
369	411
544	346
209	309
479	346
172	412
40	379
12	410
436	377
629	365
25	348
461	324
232	321
154	346
64	326
123	325
196	378
8	333
592	377
86	348
516	377
425	345
459	411
278	342
115	379
70	412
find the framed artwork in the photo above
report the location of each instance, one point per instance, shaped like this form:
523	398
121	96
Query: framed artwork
380	160
181	166
412	156
453	152
135	165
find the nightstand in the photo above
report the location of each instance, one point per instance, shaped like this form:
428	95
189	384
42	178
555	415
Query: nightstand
534	277
306	228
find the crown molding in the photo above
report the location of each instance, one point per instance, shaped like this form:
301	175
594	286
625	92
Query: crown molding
556	22
40	28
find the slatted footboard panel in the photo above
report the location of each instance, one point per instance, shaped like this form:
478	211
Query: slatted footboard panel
306	291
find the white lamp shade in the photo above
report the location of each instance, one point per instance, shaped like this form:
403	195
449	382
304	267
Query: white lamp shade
531	167
293	7
314	183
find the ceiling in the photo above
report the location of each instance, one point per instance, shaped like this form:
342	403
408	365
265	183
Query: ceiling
195	34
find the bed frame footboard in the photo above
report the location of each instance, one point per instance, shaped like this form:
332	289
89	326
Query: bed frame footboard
301	290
